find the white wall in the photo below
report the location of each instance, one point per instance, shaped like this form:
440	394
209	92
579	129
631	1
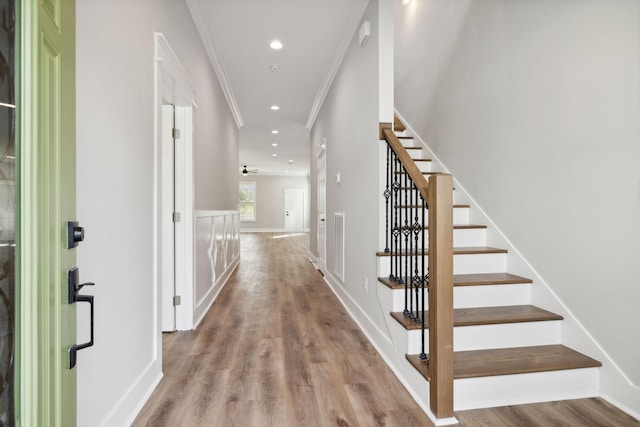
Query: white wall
115	158
534	107
270	201
349	121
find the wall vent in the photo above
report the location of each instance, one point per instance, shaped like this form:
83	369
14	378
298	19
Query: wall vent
339	246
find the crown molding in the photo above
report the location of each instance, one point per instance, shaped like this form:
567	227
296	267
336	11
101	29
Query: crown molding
321	95
199	18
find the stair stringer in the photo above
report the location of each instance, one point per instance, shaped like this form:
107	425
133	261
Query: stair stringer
615	385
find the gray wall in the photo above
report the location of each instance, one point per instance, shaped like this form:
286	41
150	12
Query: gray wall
270	201
115	185
534	107
349	122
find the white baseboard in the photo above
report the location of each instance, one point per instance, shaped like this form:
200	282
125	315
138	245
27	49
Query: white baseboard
133	400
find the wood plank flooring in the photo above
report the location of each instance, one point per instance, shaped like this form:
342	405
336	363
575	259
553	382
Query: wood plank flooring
278	349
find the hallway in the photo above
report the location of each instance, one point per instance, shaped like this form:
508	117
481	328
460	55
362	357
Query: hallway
278	349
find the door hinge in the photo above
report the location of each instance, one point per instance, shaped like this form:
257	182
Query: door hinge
176	133
176	217
177	300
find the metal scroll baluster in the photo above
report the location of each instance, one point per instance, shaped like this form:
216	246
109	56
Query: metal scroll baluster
410	249
387	194
406	231
417	280
395	260
425	282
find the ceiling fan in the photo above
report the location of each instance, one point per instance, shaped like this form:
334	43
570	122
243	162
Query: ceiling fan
246	172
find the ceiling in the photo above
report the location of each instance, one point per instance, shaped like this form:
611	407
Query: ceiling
315	35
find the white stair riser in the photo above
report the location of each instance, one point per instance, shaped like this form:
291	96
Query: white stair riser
424	166
416	154
491	295
502	390
460	215
472	296
482	337
462	264
404	197
462	237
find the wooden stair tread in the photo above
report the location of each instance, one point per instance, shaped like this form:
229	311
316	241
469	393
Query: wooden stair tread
509	361
471	250
455	227
423	173
483	279
413	188
488	279
486	316
421	160
420	206
413	148
404	137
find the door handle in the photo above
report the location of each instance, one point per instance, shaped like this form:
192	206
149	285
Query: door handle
73	297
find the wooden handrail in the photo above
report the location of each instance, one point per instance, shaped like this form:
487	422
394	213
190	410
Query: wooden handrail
410	166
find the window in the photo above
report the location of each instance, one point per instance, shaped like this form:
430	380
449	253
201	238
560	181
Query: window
248	202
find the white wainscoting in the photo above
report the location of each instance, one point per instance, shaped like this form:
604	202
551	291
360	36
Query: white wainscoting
217	249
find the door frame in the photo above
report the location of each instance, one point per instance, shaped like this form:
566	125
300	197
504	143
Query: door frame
173	86
284	209
322	151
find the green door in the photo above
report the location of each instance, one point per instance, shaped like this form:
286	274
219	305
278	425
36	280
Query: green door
46	116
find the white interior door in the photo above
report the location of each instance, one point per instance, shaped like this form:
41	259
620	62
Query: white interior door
322	203
168	232
174	177
294	209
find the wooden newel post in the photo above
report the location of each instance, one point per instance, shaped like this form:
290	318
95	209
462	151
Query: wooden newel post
440	192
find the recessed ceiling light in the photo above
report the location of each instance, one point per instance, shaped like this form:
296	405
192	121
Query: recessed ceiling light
286	171
274	131
274	155
275	144
275	107
290	162
405	2
275	68
276	45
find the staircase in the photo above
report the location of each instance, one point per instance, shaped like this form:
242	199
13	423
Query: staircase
506	351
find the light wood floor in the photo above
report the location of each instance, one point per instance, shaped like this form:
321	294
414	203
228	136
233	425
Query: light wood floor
278	349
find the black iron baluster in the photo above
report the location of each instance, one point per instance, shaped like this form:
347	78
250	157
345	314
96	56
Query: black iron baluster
417	280
406	231
387	194
396	230
425	282
410	250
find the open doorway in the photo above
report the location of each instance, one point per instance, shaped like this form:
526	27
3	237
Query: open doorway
174	192
321	214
